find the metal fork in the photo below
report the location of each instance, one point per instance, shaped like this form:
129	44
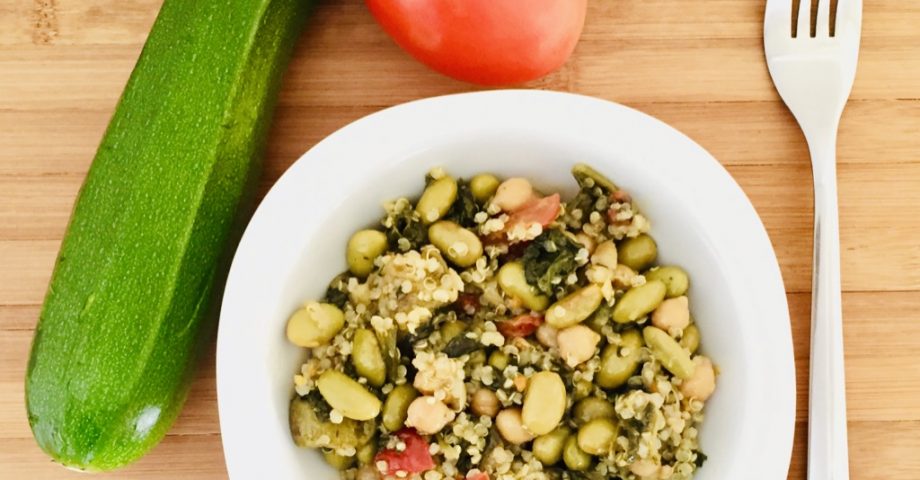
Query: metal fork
814	75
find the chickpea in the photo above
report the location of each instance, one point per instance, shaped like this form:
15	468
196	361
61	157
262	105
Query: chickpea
485	403
587	241
511	426
702	383
577	344
672	313
546	335
644	468
605	255
428	415
512	194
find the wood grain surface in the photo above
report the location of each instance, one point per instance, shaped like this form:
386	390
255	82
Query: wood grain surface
696	64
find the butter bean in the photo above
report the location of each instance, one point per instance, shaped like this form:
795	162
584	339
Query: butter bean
575	307
483	186
671	355
461	246
544	403
315	324
512	281
347	396
363	248
639	301
437	199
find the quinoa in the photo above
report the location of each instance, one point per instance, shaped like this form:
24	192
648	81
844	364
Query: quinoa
445	324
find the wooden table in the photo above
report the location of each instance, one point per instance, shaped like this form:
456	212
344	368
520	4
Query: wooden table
696	64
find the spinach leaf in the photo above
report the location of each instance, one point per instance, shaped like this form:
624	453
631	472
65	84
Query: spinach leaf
550	256
408	225
465	208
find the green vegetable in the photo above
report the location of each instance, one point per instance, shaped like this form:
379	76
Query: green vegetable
592	408
461	345
127	302
544	403
574	457
588	177
551	255
461	246
675	278
671	355
548	448
367	357
620	363
691	338
396	407
315	324
437	199
639	301
575	307
483	186
465	207
512	280
596	437
406	224
336	461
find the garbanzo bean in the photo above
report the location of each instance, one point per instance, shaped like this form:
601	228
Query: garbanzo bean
691	338
702	383
428	415
596	437
336	461
396	407
512	281
315	324
577	344
512	194
638	253
548	448
436	200
511	426
675	278
363	248
605	255
483	186
620	363
671	355
574	457
367	358
544	403
485	403
347	396
575	307
639	301
592	408
461	246
673	313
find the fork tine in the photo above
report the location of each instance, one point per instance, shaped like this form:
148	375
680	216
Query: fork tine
822	28
778	17
849	17
803	29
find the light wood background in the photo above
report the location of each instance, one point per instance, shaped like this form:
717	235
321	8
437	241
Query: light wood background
696	64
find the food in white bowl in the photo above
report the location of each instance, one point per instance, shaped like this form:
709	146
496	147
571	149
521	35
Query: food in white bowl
487	330
702	222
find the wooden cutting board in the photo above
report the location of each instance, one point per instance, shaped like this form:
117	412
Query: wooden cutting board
696	64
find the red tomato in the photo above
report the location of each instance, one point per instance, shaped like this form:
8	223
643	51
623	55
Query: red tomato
520	326
490	42
414	459
542	210
477	476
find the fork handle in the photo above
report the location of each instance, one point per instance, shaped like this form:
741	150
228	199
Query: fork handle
827	413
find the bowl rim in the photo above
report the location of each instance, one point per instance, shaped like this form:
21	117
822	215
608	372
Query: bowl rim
542	111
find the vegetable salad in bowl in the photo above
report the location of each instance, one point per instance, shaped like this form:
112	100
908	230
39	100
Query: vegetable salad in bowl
492	331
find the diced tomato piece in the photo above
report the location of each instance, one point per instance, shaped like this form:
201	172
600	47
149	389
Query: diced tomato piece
468	303
414	459
520	326
543	211
477	476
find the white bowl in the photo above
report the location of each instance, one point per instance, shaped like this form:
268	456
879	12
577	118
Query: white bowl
700	217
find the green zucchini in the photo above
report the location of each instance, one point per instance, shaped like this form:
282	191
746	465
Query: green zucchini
127	305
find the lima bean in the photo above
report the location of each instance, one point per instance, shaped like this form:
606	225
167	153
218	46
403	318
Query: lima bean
461	246
691	338
548	448
363	248
347	396
315	324
639	301
671	355
397	405
574	457
367	357
675	278
583	172
498	360
592	408
596	437
367	452
544	403
436	200
574	307
483	186
638	253
620	363
336	461
512	281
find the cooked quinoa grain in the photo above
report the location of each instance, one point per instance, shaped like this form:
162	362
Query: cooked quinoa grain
477	366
